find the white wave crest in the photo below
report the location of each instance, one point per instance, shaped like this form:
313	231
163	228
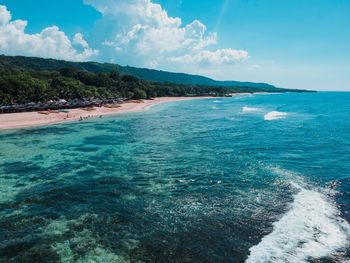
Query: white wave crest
275	115
312	228
249	109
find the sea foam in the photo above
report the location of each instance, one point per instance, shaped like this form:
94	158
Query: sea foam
249	109
312	228
275	115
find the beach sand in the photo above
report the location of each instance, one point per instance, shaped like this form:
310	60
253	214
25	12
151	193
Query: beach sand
32	119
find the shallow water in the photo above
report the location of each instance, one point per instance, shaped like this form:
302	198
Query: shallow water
195	181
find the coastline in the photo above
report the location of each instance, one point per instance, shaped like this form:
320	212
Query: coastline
34	119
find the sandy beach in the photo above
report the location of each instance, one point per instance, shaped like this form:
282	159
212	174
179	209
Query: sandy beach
32	119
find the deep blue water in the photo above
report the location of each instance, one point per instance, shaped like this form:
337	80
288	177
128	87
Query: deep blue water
256	178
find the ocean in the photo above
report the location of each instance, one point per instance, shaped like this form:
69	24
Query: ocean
253	178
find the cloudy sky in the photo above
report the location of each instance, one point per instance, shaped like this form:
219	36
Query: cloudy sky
289	43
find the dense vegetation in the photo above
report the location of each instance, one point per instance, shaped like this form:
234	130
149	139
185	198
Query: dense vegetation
141	73
22	86
24	80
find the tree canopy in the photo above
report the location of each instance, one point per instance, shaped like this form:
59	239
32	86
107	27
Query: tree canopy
28	80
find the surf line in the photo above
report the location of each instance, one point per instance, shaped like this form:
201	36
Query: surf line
311	228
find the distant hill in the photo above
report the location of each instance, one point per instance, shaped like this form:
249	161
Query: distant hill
182	78
34	63
28	80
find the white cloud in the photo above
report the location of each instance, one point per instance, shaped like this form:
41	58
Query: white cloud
79	40
136	11
165	39
143	34
5	15
49	43
134	32
218	57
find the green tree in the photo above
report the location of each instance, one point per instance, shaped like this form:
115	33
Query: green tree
139	94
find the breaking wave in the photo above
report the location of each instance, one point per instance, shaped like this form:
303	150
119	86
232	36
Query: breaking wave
249	109
311	229
275	115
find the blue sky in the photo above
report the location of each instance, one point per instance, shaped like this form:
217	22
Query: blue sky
292	44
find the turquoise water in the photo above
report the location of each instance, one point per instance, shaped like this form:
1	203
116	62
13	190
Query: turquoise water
256	178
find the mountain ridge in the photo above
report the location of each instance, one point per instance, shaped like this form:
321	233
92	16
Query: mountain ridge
160	76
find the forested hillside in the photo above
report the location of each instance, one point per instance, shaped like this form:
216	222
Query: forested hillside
142	73
24	80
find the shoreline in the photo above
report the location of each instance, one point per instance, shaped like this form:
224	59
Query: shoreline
20	120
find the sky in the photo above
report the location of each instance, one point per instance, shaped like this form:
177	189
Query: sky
292	44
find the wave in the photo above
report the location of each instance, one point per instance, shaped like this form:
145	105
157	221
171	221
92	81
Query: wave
249	109
275	115
312	228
